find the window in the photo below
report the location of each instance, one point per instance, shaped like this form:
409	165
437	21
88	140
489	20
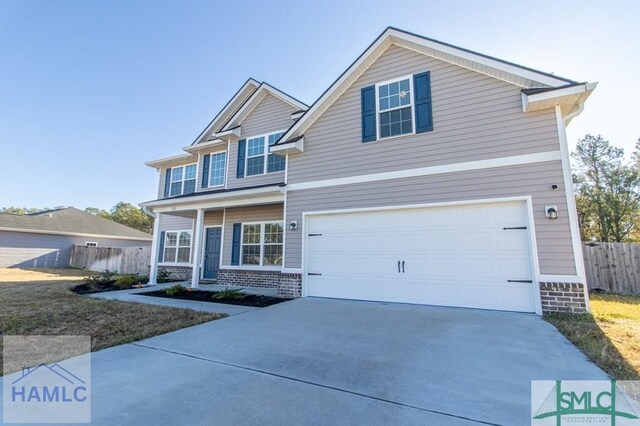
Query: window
91	244
255	156
262	244
275	162
177	247
217	169
258	151
183	180
395	108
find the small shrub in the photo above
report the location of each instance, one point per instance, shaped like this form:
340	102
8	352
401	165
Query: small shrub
163	275
175	290
229	293
126	281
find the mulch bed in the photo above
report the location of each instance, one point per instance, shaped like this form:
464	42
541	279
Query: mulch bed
97	288
208	296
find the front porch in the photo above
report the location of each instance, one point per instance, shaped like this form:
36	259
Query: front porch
238	244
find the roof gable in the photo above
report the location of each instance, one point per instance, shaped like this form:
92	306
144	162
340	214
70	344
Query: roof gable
512	73
234	104
261	93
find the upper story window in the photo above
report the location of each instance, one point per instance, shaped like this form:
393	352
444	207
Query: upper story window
217	168
183	180
275	163
395	108
258	159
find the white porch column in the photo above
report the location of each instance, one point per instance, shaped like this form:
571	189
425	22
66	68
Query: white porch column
153	272
197	250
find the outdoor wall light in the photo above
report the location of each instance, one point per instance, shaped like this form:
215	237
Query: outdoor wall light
551	212
293	225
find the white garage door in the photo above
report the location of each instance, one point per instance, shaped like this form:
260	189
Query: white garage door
474	256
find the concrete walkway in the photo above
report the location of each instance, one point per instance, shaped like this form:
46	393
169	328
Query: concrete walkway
319	361
133	295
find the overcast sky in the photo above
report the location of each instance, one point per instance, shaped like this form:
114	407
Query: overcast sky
91	90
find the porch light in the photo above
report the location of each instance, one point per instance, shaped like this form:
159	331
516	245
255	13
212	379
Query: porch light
551	212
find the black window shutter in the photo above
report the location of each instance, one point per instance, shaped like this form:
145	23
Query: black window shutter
167	182
368	104
205	171
241	154
422	94
161	246
235	244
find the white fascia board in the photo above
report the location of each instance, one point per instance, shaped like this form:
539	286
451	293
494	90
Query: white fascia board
551	98
288	148
222	203
160	162
74	234
296	115
235	132
204	145
205	198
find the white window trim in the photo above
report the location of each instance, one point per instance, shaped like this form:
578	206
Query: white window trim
177	246
171	181
265	154
411	105
226	161
262	243
91	244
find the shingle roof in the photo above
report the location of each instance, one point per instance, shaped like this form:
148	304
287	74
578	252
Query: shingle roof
70	221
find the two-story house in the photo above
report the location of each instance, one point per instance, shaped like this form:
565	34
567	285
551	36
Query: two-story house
426	173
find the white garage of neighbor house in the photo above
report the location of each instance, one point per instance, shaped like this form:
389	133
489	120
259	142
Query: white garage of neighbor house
426	173
45	239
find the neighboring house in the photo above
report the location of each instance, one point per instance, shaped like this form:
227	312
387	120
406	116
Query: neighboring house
426	174
45	239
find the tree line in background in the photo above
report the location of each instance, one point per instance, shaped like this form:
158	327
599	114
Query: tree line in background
607	191
124	213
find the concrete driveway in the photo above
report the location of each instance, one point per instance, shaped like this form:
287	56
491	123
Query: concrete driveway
319	361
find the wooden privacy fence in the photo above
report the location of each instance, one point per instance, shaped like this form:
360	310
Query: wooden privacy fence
123	260
614	267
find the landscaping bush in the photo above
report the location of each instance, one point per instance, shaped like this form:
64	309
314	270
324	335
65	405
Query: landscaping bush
101	278
229	293
163	275
128	281
175	290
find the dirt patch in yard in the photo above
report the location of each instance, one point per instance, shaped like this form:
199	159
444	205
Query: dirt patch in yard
34	302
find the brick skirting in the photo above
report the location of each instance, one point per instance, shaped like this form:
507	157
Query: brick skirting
288	285
562	297
178	272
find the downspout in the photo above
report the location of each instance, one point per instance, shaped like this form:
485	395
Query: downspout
571	116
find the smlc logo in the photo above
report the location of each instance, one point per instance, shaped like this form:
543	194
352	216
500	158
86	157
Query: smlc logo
61	385
585	402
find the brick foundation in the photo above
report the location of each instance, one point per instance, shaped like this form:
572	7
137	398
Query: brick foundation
288	285
562	297
178	272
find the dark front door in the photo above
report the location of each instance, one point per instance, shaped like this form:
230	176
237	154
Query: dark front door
212	253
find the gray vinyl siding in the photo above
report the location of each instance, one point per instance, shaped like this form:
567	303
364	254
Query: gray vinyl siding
29	250
555	251
269	116
475	117
271	212
213	218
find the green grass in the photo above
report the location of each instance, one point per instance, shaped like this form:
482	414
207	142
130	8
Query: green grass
609	335
38	302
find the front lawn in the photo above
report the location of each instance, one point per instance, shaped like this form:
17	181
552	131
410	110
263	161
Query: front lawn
39	302
610	335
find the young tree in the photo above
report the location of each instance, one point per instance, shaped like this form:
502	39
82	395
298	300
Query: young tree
608	196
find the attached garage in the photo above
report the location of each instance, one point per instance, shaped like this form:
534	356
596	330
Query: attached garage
469	255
